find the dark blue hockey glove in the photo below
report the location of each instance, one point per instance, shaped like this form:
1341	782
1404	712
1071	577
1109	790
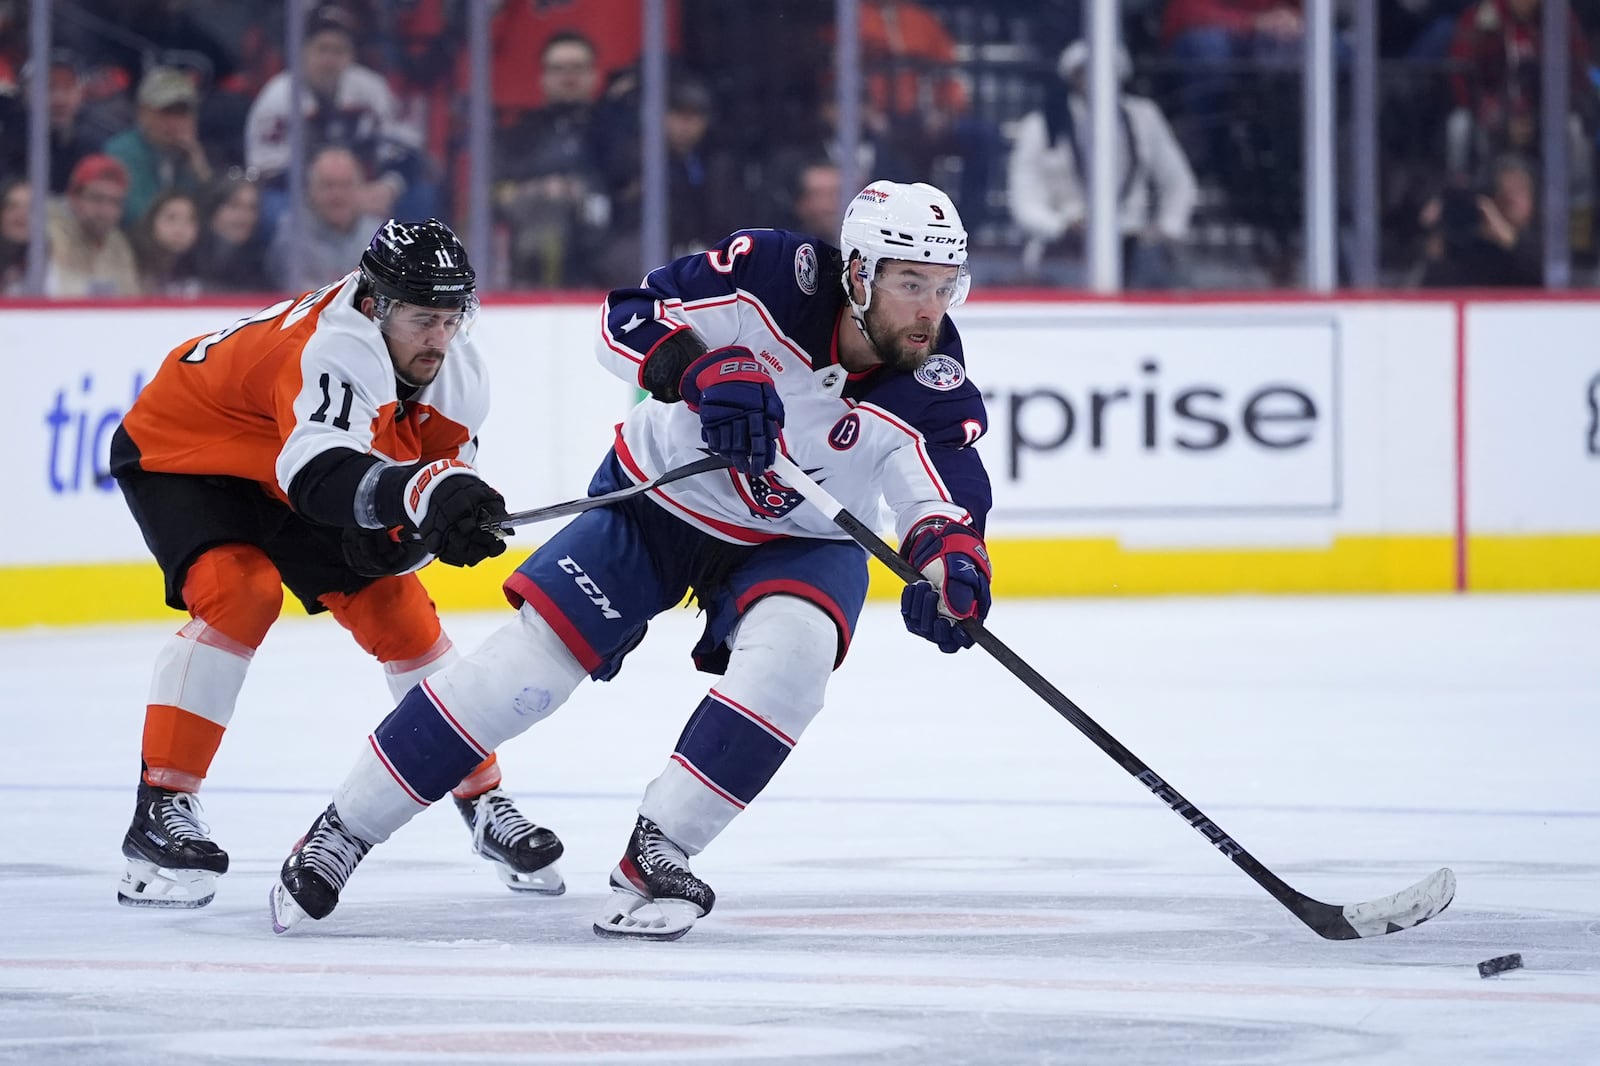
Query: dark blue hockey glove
955	563
740	412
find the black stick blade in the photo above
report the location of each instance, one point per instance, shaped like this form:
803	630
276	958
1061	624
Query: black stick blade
1407	908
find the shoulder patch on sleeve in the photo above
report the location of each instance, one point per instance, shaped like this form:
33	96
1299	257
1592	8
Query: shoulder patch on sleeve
805	268
941	373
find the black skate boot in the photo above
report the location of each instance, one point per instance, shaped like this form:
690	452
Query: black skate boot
315	872
172	862
654	894
524	854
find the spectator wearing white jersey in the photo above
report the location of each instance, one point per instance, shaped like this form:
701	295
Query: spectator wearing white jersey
346	104
1155	187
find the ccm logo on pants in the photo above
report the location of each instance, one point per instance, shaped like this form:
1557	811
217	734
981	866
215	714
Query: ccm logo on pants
587	586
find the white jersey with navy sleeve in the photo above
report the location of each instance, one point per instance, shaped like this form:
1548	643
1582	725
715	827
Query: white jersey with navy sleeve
881	437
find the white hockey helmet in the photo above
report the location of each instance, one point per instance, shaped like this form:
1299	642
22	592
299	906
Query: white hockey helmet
891	220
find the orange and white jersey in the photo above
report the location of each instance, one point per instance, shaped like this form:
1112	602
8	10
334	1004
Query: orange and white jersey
263	397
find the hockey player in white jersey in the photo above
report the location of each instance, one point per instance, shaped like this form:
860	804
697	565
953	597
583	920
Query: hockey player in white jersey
843	358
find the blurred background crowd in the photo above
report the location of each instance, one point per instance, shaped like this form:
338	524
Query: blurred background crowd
169	149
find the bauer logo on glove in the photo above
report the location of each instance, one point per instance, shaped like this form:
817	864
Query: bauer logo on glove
741	415
449	506
422	483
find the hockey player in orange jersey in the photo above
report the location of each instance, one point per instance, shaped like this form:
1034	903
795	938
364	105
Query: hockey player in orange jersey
324	444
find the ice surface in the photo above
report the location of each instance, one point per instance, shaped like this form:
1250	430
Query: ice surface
945	872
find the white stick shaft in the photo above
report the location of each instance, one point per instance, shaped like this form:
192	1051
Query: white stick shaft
802	483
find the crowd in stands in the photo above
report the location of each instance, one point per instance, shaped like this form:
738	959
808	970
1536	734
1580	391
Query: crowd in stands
170	155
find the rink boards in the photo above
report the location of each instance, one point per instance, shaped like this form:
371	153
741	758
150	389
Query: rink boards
1169	446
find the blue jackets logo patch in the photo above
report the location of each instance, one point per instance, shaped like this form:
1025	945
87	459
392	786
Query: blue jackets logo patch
805	269
941	372
766	496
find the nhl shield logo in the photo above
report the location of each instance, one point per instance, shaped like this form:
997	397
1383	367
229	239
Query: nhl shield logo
805	269
941	372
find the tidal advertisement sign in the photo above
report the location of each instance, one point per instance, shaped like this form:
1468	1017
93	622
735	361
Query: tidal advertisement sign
1181	414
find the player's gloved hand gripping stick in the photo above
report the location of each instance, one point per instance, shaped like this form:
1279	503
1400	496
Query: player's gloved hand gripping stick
954	564
1404	909
454	512
740	412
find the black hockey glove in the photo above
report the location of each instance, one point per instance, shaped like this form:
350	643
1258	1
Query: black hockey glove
740	412
449	505
376	552
955	563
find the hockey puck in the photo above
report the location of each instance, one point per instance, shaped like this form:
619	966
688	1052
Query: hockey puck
1499	964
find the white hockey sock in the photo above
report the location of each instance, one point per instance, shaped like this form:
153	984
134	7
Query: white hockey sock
517	677
783	653
201	671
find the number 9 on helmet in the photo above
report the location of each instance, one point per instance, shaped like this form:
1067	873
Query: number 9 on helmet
891	220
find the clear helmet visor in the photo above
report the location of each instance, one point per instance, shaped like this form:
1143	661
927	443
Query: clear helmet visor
424	327
947	291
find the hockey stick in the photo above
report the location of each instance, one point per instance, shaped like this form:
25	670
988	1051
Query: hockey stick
1404	909
557	510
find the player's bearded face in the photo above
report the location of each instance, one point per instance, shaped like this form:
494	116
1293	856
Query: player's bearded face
907	311
418	338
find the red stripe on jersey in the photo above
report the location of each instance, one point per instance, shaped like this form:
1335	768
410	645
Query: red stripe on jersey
699	305
772	327
920	443
729	531
738	534
760	309
605	336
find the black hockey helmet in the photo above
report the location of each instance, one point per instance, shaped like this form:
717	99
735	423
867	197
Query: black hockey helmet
421	263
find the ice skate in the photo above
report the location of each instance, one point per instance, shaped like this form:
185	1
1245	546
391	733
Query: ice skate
524	854
654	895
315	872
172	861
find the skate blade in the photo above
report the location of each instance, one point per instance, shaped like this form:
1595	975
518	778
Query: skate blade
144	884
286	913
545	881
632	917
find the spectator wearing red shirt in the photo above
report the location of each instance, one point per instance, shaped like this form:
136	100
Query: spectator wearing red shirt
521	29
